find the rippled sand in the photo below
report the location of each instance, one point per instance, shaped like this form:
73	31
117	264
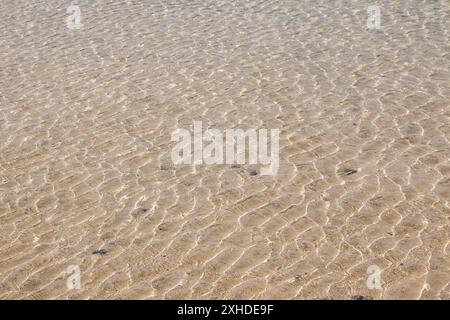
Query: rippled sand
86	176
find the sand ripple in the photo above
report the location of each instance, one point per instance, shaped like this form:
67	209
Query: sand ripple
86	117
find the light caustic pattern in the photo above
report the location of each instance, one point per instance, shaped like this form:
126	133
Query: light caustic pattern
86	177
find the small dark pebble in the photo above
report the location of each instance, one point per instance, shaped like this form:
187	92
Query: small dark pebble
347	171
253	173
235	166
144	210
100	252
358	297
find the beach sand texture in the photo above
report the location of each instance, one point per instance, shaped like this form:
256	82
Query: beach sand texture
86	177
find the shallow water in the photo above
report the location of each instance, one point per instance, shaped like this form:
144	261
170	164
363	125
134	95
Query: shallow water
85	167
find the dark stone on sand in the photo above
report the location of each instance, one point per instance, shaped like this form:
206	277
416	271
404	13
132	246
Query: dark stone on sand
253	173
359	297
100	252
235	166
347	171
144	210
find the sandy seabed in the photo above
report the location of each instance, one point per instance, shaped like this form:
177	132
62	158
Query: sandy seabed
86	177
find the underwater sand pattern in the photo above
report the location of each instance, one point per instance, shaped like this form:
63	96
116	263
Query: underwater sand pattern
86	176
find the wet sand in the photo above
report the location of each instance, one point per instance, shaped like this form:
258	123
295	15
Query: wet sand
86	177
